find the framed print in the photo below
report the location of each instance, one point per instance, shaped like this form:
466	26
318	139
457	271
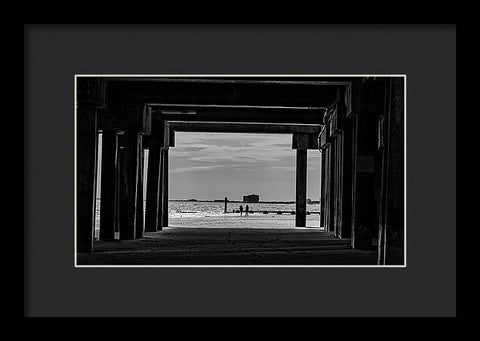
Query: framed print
240	170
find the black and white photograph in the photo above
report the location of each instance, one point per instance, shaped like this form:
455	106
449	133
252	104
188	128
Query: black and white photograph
240	170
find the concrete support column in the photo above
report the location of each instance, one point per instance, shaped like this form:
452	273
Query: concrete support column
343	181
364	227
139	228
367	105
160	195
347	156
153	179
118	179
86	173
392	223
322	188
301	189
129	186
108	184
337	184
164	188
329	187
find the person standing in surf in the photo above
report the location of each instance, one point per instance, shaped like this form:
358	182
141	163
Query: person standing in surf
246	211
241	210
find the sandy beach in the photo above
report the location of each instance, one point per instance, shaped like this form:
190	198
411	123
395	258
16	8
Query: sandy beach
254	221
231	240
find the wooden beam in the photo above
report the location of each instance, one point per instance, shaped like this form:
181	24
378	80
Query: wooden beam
255	128
281	80
234	93
303	117
136	117
223	113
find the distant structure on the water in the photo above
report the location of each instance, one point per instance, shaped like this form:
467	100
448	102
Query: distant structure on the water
251	198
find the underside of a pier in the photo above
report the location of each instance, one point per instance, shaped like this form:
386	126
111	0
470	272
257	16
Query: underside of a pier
356	123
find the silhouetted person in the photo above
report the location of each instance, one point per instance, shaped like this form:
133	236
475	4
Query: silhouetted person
246	211
241	210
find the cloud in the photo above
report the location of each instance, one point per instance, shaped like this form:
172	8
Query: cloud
241	148
196	168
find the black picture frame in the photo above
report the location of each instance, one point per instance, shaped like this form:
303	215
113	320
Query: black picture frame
372	47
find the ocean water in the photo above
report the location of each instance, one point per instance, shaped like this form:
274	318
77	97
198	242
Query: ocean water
191	209
214	209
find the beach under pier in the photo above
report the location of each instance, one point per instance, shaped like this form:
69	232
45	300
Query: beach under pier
230	240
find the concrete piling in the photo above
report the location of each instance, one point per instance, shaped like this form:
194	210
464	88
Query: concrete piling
108	184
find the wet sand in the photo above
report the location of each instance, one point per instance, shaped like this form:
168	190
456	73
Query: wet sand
234	220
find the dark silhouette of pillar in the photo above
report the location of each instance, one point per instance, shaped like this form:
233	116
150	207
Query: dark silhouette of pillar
322	188
225	211
129	186
153	179
301	189
337	184
108	184
164	187
343	181
364	228
392	223
118	175
329	186
346	195
139	228
86	173
368	104
160	195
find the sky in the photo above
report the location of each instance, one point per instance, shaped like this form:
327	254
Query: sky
218	165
